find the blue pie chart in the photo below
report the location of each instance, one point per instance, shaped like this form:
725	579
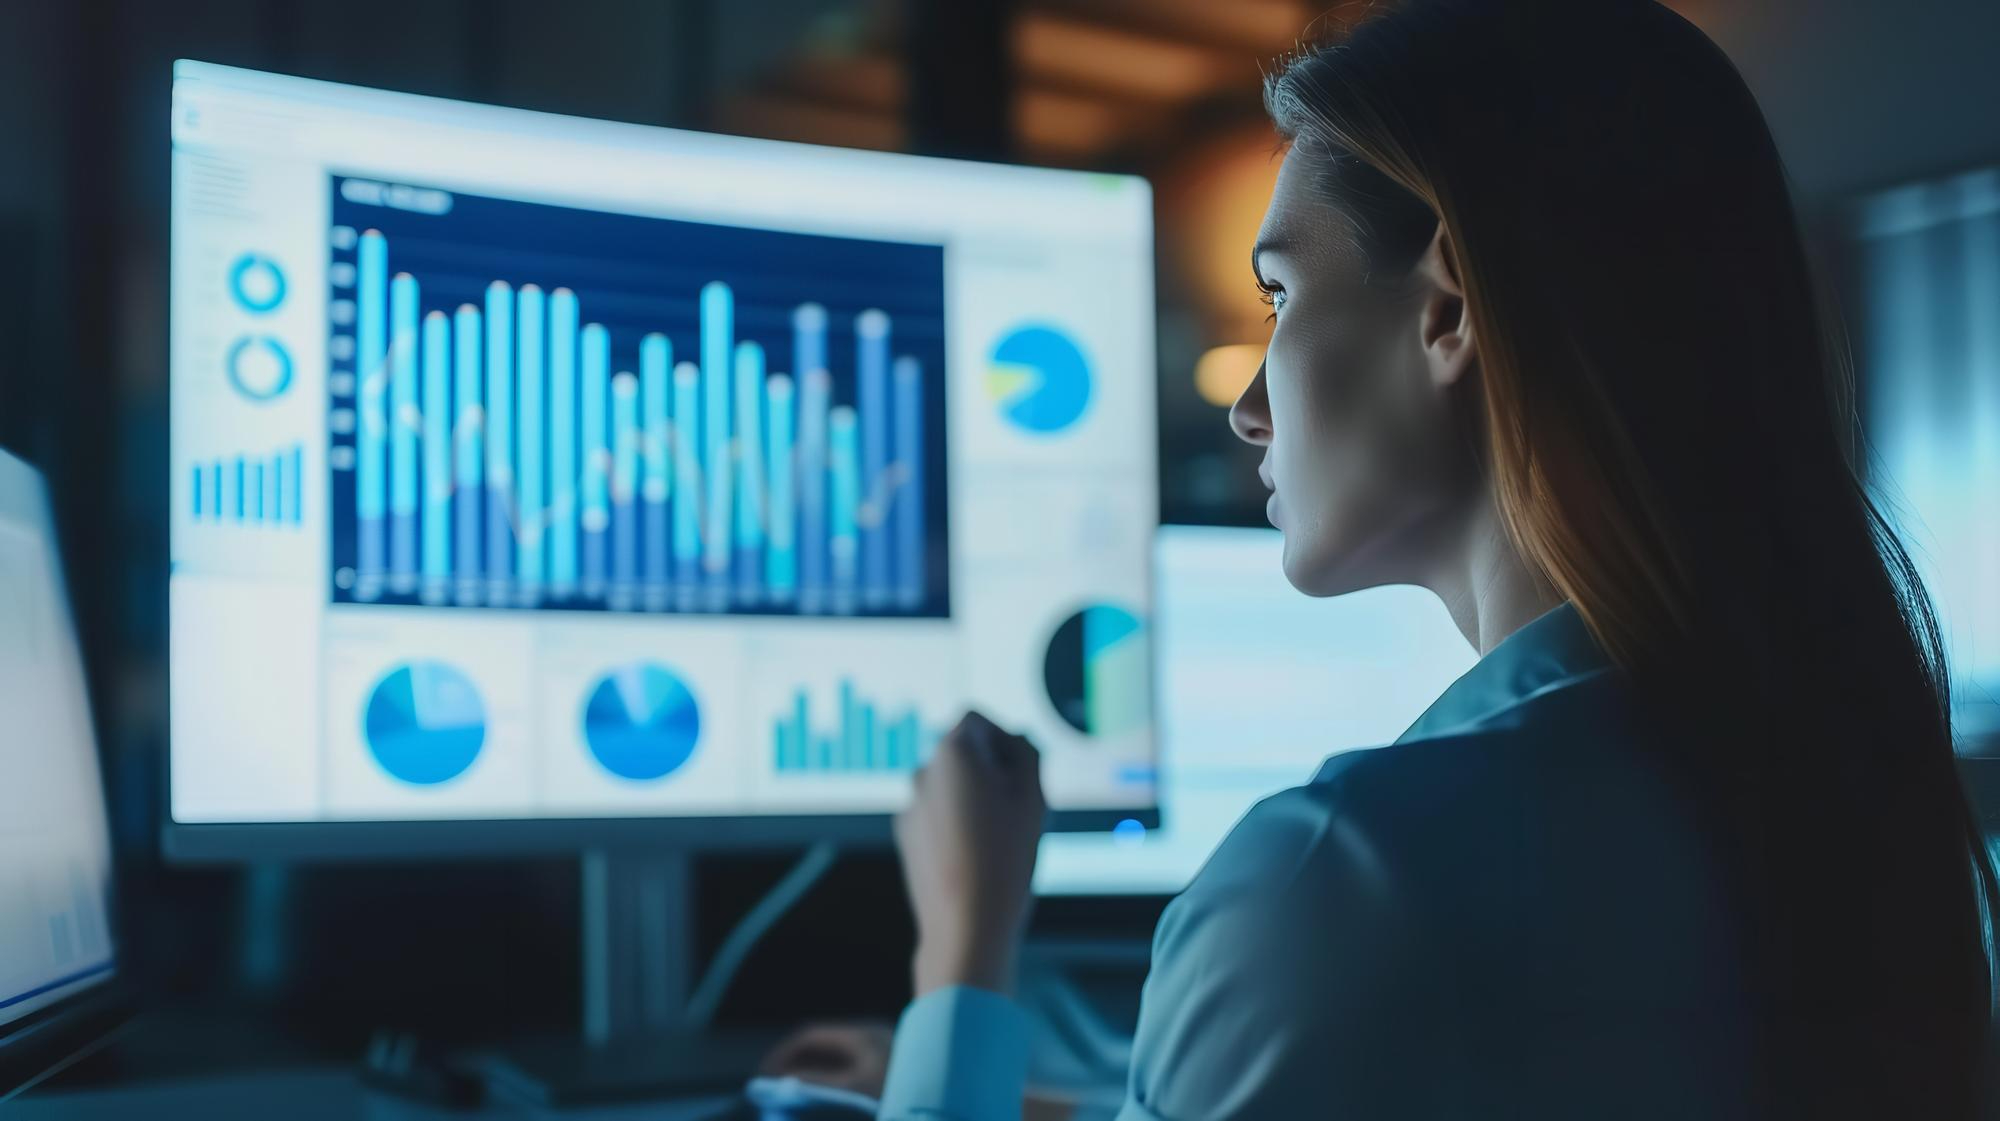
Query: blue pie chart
425	723
1039	378
641	722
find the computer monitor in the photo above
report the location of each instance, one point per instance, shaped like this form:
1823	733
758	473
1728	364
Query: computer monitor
57	950
1258	684
539	481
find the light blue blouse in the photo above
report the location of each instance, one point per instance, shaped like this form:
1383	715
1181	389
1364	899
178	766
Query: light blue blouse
1505	913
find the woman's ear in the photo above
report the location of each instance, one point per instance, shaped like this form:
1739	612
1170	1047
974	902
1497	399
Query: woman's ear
1449	348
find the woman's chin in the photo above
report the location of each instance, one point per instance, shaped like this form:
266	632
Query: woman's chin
1321	572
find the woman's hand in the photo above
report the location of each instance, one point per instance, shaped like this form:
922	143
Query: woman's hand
968	842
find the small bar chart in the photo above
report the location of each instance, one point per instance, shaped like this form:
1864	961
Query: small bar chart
568	409
266	491
865	738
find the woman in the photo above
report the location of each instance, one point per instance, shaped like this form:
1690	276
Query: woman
1688	842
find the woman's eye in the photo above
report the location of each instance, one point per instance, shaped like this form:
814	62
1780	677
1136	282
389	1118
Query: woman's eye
1272	295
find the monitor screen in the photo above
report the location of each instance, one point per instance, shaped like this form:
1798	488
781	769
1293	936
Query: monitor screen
534	467
1258	684
55	846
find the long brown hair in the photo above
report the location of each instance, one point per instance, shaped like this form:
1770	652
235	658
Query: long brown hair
1668	429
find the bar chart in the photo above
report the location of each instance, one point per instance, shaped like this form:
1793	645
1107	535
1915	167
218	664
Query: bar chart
865	737
250	490
557	408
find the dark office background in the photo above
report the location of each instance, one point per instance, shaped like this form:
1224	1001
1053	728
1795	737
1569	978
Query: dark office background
1863	95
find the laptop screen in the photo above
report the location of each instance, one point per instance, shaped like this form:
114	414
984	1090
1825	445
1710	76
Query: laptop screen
55	849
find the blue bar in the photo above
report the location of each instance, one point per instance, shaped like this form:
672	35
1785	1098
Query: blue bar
562	441
749	451
801	731
718	310
403	433
808	339
781	567
625	440
198	483
687	480
906	504
215	507
780	754
815	398
850	727
499	440
867	736
298	481
871	361
242	508
596	515
437	457
257	491
371	370
274	483
529	531
656	359
468	442
844	471
909	760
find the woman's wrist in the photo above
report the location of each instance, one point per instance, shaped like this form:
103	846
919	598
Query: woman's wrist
941	963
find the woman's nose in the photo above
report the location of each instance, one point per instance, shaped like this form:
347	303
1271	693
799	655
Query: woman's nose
1250	417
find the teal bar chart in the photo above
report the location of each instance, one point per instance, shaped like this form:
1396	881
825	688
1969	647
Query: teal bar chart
864	737
569	435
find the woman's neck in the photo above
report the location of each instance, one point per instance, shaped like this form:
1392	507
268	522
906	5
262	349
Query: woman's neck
1490	589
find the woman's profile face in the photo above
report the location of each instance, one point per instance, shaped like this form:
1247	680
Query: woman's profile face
1353	405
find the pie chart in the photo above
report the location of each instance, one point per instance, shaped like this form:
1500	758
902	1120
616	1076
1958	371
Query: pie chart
1039	378
425	723
1097	671
641	722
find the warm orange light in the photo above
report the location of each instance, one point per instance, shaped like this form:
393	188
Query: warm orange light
1223	372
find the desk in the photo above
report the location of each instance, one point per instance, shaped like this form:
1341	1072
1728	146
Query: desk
318	1093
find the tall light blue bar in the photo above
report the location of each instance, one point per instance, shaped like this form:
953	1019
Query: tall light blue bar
850	727
781	558
596	515
845	484
562	441
749	447
437	457
371	431
656	359
530	536
625	440
257	491
869	754
687	479
718	330
469	444
906	506
242	503
199	482
815	398
403	432
871	363
808	339
499	439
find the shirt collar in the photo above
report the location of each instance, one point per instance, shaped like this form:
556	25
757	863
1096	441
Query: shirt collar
1553	650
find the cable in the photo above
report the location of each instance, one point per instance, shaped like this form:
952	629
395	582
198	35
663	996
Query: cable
782	897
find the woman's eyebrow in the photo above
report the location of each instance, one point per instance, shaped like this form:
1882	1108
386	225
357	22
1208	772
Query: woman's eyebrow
1274	243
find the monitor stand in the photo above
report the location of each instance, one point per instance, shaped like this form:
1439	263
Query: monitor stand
635	1043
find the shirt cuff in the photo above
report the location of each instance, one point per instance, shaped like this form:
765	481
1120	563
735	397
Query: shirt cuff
960	1053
